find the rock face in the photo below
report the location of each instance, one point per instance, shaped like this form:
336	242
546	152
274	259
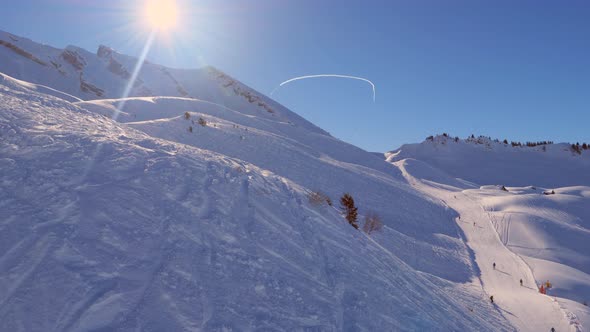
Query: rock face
179	87
104	51
89	88
73	59
22	52
229	83
106	74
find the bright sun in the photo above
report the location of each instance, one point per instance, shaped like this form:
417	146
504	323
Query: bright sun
161	14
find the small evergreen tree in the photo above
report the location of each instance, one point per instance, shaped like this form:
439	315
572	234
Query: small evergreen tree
350	211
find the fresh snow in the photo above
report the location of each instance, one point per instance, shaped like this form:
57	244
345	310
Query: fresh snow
104	227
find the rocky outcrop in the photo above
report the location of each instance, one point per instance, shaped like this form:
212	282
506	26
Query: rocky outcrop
22	52
89	88
179	87
118	69
57	66
115	66
104	51
74	59
228	82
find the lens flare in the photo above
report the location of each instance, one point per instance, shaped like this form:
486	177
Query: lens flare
161	14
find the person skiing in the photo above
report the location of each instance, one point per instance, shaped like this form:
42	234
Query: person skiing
492	298
494	265
521	282
552	329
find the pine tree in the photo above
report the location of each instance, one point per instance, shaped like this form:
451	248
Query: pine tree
347	204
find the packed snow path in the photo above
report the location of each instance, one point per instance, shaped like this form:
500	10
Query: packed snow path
523	306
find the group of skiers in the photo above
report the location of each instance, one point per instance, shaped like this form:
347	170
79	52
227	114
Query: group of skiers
542	289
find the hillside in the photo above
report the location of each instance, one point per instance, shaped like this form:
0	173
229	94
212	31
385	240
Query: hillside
105	227
487	162
533	233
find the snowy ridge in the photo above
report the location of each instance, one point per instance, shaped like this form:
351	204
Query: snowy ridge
541	232
484	161
104	75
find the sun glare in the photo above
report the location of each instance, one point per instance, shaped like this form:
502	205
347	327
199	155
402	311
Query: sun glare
161	14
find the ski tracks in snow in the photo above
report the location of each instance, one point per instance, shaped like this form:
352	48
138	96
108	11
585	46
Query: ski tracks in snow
524	307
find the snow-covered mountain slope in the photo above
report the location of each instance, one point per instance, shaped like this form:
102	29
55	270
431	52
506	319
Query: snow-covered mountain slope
107	73
530	236
103	227
315	161
487	162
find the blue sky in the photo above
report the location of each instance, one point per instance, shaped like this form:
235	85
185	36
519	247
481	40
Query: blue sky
507	69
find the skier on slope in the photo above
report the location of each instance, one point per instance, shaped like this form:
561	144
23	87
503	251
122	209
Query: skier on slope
494	265
520	282
492	298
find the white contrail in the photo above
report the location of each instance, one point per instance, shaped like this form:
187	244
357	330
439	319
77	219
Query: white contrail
326	75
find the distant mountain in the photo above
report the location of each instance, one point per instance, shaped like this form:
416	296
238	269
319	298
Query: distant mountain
106	73
484	161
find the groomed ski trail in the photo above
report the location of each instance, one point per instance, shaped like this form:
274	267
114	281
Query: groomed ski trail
523	306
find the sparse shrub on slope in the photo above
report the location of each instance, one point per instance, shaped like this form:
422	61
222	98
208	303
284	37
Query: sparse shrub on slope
318	198
202	122
350	211
372	224
187	115
576	148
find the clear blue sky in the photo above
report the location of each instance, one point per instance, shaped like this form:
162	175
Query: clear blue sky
508	69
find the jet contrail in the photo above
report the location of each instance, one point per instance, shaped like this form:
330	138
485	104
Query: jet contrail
326	75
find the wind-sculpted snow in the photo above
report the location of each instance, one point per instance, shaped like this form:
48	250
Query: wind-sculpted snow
315	161
103	227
